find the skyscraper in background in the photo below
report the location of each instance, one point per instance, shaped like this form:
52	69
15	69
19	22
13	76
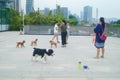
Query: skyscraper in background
65	12
46	11
17	4
5	5
11	4
87	14
62	10
29	6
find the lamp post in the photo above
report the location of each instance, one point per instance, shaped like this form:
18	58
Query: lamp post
1	9
56	4
1	14
96	15
23	19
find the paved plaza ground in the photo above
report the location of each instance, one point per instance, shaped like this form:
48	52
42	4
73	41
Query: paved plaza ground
16	64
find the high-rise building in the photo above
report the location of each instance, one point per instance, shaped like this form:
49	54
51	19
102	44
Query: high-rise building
65	12
81	16
5	5
46	11
29	6
87	14
13	4
17	5
61	10
54	12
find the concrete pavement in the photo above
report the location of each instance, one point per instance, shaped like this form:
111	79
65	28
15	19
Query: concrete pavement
16	64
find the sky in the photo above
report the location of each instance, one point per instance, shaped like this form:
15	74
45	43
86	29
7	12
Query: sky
106	8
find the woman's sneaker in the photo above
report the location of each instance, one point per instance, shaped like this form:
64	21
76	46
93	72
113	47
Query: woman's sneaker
102	56
58	41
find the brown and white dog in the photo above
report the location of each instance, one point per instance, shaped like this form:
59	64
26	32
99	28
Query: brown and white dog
20	44
34	42
53	43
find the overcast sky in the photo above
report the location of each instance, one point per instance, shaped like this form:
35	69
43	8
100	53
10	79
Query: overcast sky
106	8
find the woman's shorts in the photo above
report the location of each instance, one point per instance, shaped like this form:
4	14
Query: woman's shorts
56	33
68	33
99	45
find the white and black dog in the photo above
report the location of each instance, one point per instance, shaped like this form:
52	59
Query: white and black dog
43	53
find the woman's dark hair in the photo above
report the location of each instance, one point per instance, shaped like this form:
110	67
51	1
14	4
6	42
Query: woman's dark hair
103	21
64	22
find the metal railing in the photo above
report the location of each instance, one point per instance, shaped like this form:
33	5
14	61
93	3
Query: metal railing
75	30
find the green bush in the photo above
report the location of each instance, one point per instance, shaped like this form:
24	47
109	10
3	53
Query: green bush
116	25
15	20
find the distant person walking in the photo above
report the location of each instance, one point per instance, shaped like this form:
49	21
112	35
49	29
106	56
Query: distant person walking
63	32
56	31
99	44
21	32
68	32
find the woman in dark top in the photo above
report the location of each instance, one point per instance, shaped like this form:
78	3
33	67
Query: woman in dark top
99	44
63	32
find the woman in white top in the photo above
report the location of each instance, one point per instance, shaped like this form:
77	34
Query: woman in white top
56	28
68	32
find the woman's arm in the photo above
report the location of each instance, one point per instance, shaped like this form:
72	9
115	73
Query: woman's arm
96	29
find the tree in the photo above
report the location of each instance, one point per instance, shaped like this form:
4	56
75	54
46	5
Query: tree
27	19
37	18
50	18
59	15
118	22
15	20
73	20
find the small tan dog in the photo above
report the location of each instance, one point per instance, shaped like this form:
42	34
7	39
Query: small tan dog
53	43
20	44
34	42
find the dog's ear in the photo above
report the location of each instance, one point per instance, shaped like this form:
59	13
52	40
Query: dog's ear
50	51
34	48
23	40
